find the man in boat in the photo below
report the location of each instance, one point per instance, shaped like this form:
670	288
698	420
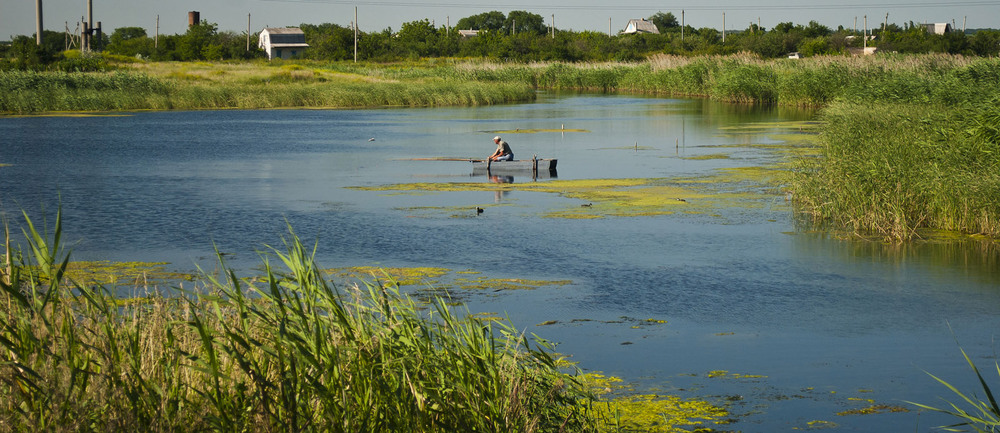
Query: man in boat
503	152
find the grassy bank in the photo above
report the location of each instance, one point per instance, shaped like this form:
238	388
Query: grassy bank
284	351
743	78
190	86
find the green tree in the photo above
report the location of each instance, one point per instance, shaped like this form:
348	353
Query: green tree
815	46
196	43
27	53
130	41
329	41
664	21
815	30
493	20
525	22
985	43
786	27
417	39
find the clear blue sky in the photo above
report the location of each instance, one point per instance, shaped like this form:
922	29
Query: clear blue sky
17	17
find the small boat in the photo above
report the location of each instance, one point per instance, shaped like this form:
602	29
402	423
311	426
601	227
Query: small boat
531	165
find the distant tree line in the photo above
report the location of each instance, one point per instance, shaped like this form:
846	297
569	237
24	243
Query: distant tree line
517	36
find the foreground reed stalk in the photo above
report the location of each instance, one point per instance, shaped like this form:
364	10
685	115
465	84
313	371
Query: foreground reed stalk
287	352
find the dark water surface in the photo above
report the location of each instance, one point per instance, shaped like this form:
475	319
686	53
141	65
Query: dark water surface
830	325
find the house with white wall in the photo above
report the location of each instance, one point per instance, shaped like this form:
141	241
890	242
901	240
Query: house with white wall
640	26
282	43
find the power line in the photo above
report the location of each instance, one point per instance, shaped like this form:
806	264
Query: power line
736	7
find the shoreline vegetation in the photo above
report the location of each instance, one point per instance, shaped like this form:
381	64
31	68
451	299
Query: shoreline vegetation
907	142
286	351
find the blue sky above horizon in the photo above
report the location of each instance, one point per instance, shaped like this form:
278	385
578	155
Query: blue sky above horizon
17	17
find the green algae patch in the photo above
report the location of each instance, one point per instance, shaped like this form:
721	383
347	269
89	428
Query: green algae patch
622	409
874	409
503	284
399	276
727	375
108	273
820	424
707	157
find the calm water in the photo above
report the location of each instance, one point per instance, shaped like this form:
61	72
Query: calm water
826	322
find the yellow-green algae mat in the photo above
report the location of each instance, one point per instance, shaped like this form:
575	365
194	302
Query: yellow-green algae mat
624	409
131	274
602	198
433	277
743	187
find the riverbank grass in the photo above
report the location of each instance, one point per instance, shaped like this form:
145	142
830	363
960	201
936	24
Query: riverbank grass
283	351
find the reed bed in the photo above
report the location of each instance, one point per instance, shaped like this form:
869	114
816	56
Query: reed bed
207	86
742	78
282	352
891	170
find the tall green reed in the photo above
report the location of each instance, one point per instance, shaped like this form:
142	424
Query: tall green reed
972	411
282	351
890	170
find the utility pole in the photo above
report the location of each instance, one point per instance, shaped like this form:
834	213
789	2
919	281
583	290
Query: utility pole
90	24
682	25
38	22
609	27
248	32
156	37
553	26
355	34
865	34
723	28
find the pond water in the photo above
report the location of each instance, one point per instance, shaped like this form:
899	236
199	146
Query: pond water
822	326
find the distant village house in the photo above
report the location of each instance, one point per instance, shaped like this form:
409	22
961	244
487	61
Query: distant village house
465	34
937	28
640	26
282	43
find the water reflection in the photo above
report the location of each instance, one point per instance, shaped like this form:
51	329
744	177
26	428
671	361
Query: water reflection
499	193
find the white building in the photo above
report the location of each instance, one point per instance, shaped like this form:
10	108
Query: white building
640	26
937	28
282	43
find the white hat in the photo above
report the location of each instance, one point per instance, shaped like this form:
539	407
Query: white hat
497	138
